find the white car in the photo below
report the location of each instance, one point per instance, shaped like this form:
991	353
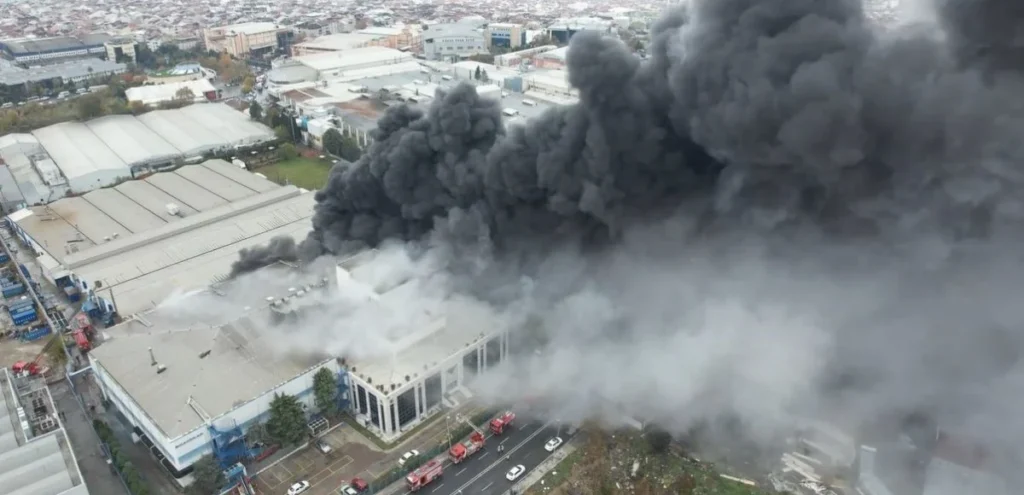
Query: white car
408	455
298	488
553	444
348	490
515	473
323	447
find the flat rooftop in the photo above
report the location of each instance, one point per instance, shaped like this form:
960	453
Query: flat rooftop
35	456
241	366
77	225
421	329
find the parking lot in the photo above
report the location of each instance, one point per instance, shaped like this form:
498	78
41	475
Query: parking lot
349	457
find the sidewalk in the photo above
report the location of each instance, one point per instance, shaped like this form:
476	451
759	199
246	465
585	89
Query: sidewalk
536	475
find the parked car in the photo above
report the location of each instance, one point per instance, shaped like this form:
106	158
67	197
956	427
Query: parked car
553	444
406	457
515	473
360	485
322	446
298	488
348	490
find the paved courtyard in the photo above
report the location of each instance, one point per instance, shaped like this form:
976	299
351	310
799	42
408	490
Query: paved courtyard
350	454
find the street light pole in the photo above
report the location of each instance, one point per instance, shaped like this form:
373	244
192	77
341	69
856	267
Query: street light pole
448	429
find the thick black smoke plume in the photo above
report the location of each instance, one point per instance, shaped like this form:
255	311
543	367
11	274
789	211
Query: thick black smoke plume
781	111
756	123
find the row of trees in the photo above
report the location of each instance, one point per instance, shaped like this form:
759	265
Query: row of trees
334	141
129	473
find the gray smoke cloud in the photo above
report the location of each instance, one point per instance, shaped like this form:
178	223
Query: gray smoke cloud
784	211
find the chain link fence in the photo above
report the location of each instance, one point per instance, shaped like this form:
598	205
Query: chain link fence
458	432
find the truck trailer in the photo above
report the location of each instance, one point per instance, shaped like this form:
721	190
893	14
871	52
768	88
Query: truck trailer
425	475
461	451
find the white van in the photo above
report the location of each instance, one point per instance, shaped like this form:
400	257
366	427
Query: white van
510	112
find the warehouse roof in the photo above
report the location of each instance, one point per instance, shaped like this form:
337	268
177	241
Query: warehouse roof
35	456
145	269
340	41
249	27
241	366
29	46
158	93
185	134
77	151
354	59
16	151
133	142
79	224
230	126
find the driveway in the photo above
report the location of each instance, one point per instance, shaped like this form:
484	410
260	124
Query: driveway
349	456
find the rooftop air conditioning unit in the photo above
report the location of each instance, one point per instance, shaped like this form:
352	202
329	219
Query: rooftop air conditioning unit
160	368
172	209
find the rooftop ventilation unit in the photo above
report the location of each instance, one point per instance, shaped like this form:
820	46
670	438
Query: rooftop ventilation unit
173	210
160	368
204	354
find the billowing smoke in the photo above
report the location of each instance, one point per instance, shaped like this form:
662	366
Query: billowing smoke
785	209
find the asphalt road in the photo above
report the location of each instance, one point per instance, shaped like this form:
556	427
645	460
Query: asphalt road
484	473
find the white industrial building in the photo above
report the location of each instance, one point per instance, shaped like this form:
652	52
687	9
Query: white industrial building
429	360
223	374
452	42
80	157
202	90
35	455
136	244
222	377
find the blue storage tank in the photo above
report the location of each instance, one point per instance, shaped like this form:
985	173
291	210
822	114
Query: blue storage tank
13	290
4	258
24	271
24	317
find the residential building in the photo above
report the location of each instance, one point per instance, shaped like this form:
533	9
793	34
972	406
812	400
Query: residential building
248	39
505	35
405	38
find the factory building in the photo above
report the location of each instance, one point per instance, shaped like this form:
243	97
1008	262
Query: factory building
74	71
337	42
553	59
35	455
43	51
201	89
248	39
189	392
111	149
34	177
505	35
134	245
563	30
429	361
453	42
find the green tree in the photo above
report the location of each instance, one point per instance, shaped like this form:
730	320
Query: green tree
255	112
209	478
350	149
484	77
55	352
248	83
325	389
90	107
287	423
476	73
185	94
287	151
282	133
333	142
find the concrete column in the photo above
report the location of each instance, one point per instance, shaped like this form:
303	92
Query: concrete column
394	407
381	414
419	404
481	358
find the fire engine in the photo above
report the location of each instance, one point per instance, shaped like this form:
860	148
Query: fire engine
499	424
425	475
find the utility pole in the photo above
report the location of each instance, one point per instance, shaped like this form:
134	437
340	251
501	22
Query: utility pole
448	428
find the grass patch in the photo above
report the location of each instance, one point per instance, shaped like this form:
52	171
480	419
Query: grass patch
307	173
557	476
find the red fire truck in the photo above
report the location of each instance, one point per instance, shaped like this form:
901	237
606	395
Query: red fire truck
425	475
499	424
461	451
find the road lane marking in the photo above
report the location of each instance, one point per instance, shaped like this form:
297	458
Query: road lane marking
481	456
438	488
486	487
511	451
460	472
